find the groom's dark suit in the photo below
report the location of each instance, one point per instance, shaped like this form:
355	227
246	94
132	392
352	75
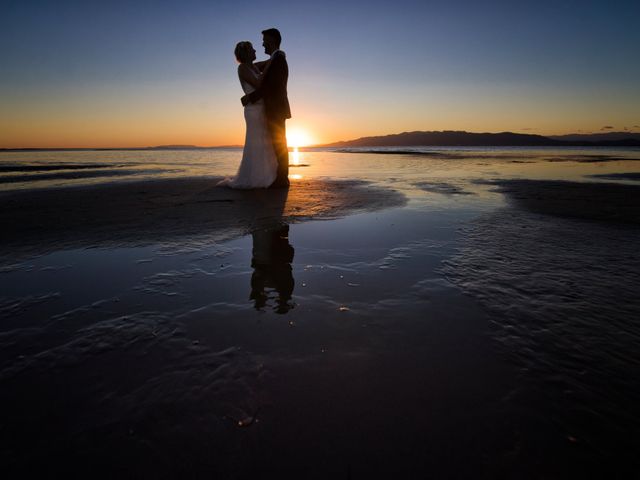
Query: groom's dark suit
273	91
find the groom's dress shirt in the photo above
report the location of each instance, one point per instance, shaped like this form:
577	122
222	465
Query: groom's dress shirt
273	88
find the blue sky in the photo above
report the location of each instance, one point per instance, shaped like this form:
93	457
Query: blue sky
139	72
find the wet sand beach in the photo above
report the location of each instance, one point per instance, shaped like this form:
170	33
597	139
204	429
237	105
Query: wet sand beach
151	211
604	202
457	315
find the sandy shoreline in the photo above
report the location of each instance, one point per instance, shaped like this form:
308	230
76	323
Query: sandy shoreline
603	202
139	213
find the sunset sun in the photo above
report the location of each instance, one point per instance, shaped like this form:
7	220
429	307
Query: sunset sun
297	137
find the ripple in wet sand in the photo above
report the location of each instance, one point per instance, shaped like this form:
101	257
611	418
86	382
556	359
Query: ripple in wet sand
563	295
603	202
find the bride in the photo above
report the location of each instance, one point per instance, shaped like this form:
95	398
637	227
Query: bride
259	165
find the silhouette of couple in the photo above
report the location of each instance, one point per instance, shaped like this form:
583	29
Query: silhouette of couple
265	158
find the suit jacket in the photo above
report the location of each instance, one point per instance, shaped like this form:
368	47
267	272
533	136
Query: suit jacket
273	89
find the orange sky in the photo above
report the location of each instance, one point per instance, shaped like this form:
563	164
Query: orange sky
105	119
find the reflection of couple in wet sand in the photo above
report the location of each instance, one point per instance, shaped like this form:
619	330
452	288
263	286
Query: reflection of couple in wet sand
272	279
271	263
265	157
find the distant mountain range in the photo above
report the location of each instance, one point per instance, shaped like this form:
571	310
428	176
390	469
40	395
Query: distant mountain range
596	137
449	138
446	138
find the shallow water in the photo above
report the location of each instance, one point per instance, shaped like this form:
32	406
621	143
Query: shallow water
441	163
458	336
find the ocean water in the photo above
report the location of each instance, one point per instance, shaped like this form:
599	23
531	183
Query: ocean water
38	169
460	334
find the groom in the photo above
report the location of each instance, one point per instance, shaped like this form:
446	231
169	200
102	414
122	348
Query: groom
276	104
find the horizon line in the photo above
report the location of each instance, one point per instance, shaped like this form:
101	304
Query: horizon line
186	147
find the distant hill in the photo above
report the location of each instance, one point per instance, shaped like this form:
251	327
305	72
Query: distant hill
449	138
596	137
189	147
173	147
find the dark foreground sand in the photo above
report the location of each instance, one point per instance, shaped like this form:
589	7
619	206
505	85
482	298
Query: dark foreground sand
139	213
143	365
603	202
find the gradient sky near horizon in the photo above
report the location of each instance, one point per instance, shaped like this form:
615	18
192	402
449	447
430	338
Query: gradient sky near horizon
138	73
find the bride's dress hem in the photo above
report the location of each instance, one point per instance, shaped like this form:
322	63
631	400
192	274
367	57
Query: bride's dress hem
229	182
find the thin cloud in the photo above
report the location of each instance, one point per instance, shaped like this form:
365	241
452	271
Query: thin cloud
607	127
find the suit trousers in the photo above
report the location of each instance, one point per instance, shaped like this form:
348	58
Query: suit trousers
278	131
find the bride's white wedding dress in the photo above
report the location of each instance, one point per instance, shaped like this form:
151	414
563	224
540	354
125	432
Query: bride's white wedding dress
259	165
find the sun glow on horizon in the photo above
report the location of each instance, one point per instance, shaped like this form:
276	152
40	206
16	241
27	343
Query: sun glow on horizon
297	137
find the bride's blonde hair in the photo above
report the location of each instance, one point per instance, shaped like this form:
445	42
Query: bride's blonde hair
243	51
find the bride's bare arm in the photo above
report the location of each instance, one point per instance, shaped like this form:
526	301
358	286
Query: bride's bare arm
255	81
262	66
245	73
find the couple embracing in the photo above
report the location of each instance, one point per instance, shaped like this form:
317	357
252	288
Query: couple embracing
265	158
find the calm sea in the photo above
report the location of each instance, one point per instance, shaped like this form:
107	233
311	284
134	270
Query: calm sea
19	170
